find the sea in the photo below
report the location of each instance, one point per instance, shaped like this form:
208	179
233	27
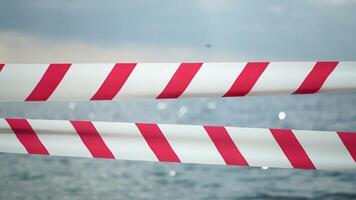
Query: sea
43	177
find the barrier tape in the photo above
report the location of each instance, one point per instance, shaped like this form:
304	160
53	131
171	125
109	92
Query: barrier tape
282	148
70	82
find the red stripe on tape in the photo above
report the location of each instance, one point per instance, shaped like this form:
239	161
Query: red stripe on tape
349	140
292	149
114	81
247	79
27	136
49	82
316	78
1	66
157	142
225	145
180	80
92	139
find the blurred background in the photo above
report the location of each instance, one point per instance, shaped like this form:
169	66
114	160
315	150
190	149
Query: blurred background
176	31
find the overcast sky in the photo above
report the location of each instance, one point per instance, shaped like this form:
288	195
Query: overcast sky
161	31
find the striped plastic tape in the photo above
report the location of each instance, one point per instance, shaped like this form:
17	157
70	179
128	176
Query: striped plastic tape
281	148
110	81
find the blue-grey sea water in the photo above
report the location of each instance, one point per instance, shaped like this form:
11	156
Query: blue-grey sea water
41	177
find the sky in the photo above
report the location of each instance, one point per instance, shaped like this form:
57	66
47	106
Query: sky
176	31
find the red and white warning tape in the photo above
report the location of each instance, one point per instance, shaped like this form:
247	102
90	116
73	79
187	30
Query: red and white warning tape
282	148
67	82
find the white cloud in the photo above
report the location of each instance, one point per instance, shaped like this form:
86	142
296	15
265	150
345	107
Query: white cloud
340	2
21	48
277	9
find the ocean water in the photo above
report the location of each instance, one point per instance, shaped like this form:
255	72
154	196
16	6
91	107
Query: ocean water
41	177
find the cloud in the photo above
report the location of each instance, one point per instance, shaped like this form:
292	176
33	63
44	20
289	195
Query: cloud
336	1
23	48
87	31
